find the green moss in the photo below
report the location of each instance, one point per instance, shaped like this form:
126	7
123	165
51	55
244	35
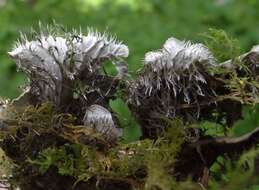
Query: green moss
6	165
122	161
221	44
145	161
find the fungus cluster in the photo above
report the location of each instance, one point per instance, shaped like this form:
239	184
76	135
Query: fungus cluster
175	75
56	63
177	68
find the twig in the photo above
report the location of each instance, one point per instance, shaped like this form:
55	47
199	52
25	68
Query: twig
230	144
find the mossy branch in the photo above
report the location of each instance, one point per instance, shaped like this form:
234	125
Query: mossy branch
230	145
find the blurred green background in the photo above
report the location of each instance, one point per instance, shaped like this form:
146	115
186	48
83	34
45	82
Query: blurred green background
142	24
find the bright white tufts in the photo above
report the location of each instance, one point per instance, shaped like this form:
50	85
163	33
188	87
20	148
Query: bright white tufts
49	60
171	65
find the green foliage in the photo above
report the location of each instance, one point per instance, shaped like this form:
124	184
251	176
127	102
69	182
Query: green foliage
239	175
211	128
248	123
131	129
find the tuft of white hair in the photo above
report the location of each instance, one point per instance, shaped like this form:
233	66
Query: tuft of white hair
175	61
49	60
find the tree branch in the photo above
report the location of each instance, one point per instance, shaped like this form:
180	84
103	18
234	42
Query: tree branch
230	145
